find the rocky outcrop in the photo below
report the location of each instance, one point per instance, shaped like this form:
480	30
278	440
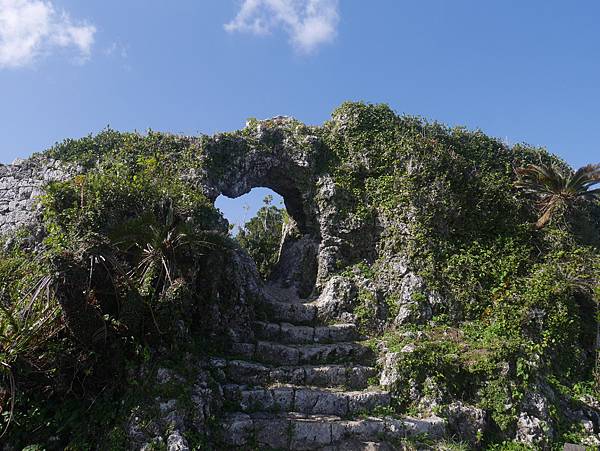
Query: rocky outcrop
294	370
337	299
534	425
278	153
230	287
345	238
297	265
466	423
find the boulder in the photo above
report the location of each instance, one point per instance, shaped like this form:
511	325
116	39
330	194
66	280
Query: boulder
337	300
466	423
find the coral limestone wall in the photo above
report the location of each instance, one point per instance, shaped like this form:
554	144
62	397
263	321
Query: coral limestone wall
20	185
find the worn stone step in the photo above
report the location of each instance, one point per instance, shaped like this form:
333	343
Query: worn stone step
291	334
359	445
292	355
352	377
291	312
296	431
304	400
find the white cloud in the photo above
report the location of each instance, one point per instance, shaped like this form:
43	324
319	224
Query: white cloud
31	28
309	23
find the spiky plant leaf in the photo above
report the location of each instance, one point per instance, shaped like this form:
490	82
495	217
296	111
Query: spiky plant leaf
556	188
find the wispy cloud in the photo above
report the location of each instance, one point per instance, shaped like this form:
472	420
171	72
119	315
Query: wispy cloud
116	49
32	28
309	23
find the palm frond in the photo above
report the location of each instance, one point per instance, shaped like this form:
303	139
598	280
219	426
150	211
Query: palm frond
26	324
554	186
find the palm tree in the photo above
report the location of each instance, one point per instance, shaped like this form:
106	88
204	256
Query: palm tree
557	188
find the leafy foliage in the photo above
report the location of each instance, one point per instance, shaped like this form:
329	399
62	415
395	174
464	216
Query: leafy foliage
29	318
261	236
124	243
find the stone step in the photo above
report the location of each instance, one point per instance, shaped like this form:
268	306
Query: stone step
352	377
359	445
304	400
291	312
290	334
296	431
293	355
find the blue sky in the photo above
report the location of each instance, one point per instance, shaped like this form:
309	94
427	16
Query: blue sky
523	71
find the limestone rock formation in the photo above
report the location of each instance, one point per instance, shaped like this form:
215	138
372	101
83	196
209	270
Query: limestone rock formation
392	293
21	183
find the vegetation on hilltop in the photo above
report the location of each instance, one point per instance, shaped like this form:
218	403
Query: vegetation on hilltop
115	277
515	306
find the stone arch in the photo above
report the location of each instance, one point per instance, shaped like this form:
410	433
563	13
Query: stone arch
272	154
279	154
292	198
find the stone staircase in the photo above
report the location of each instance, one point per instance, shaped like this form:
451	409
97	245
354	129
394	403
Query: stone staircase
301	385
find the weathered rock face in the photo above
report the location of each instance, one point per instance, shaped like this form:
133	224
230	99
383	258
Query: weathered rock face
297	265
278	153
20	185
337	300
344	238
467	423
172	420
232	286
535	426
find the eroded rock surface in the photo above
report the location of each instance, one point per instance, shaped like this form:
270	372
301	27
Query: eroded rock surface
21	184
